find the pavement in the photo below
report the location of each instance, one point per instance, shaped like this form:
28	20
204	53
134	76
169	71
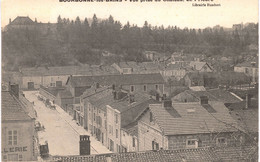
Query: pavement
61	131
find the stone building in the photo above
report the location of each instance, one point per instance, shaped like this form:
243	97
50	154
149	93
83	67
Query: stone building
185	125
18	132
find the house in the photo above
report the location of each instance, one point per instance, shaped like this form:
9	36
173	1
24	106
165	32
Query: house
110	116
18	132
186	125
122	117
174	70
193	79
32	78
213	95
129	82
201	66
133	67
210	154
248	68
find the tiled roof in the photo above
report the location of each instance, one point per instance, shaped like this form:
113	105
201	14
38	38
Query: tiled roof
126	79
194	119
68	70
209	154
22	20
12	109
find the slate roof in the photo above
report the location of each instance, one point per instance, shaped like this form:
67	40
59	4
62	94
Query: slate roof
208	154
199	120
126	79
12	109
22	20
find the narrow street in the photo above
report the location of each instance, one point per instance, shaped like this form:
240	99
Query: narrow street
61	131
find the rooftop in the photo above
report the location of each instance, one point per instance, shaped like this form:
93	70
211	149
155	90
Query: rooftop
209	154
194	118
12	109
22	20
126	79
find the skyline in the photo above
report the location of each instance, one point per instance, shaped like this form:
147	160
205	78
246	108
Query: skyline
180	14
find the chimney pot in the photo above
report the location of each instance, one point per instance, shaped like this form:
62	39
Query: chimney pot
248	101
204	100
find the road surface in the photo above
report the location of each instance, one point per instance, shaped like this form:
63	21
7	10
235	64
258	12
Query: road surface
61	132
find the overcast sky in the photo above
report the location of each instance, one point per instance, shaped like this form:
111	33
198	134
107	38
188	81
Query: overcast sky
181	14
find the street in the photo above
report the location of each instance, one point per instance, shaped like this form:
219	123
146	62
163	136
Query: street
61	132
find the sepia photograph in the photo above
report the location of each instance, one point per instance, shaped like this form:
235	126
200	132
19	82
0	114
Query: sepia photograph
129	80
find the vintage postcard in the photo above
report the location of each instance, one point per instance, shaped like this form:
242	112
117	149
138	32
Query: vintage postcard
129	80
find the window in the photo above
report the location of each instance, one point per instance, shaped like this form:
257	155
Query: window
94	117
144	88
221	141
133	142
132	88
151	117
52	84
155	145
116	133
116	118
192	143
12	137
20	157
156	86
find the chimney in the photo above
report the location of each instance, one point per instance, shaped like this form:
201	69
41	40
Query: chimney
204	100
248	101
36	20
10	21
84	145
157	97
114	95
113	87
131	98
14	89
167	103
97	85
164	97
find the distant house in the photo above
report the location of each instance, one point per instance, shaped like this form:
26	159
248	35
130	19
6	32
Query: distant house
193	79
130	82
32	78
248	68
174	70
185	125
213	95
201	66
18	132
132	67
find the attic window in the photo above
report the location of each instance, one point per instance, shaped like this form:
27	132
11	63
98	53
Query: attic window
192	143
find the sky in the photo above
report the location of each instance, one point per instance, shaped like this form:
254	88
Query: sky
181	14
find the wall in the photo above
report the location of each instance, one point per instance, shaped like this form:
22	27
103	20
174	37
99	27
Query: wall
148	132
36	79
112	126
127	141
47	80
25	140
204	140
149	87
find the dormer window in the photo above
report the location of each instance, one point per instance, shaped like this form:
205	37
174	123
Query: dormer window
192	143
